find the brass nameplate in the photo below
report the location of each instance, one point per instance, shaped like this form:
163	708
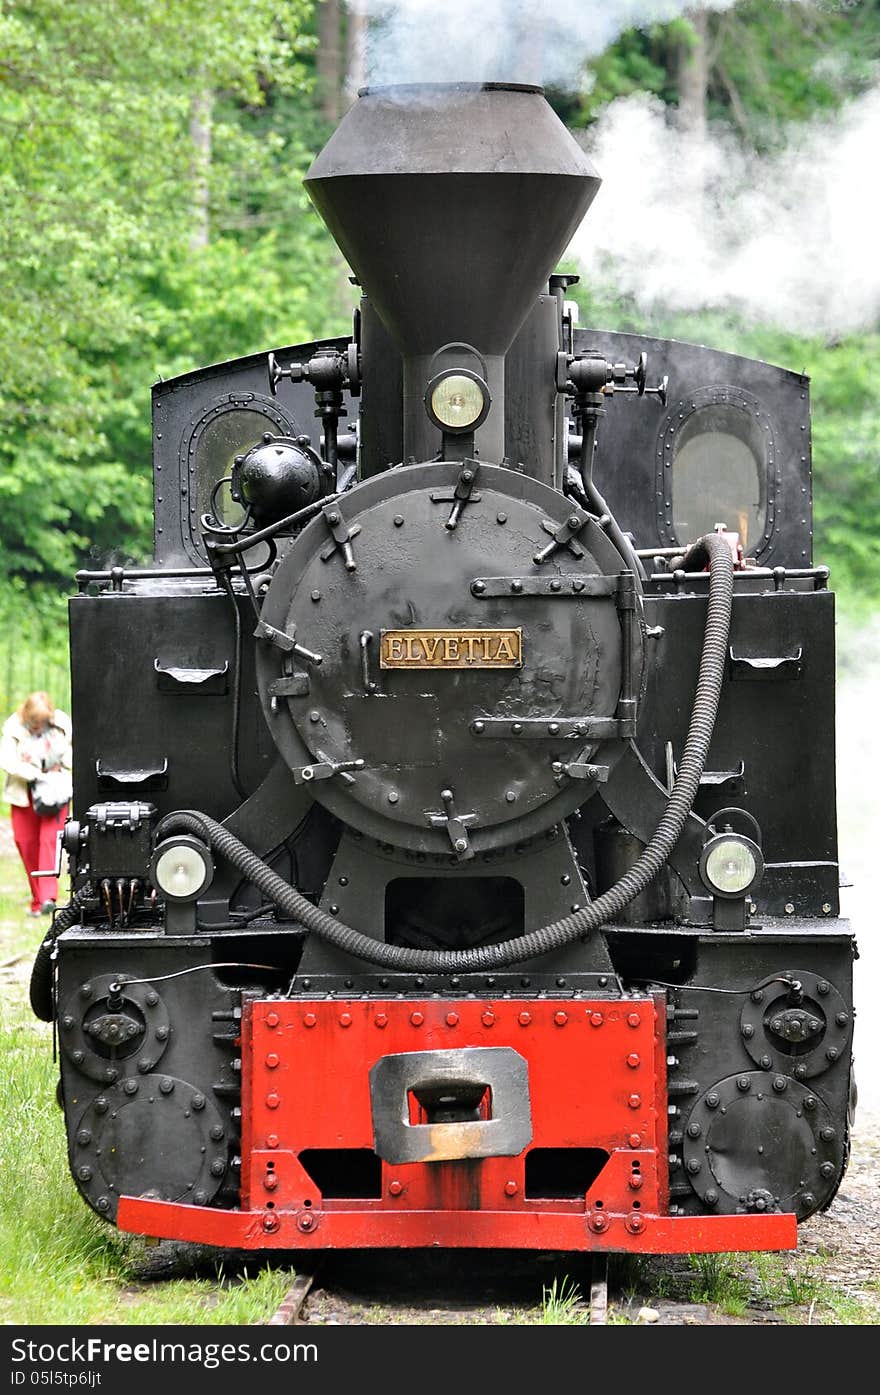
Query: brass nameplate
451	649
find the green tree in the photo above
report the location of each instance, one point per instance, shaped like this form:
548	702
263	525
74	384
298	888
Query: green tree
762	63
118	231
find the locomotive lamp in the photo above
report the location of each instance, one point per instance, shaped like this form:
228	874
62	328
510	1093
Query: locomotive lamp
182	868
731	866
458	401
276	477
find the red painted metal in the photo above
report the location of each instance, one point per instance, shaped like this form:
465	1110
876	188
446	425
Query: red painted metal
597	1080
245	1230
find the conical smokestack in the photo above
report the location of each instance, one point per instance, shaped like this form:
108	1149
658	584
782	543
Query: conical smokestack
452	204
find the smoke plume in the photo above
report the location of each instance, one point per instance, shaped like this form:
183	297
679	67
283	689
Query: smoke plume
683	221
687	224
532	41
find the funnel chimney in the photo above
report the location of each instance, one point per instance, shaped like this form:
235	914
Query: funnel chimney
452	204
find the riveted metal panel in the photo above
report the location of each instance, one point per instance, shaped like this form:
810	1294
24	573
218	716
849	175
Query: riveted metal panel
631	460
597	1079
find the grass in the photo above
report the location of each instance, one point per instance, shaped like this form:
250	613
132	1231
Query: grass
562	1303
718	1280
745	1286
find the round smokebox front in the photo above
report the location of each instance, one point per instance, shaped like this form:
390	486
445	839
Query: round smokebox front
434	684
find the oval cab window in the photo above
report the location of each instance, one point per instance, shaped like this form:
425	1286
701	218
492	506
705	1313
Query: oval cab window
226	435
227	428
719	474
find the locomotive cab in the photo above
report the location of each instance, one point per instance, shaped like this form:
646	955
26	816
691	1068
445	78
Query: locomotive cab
475	672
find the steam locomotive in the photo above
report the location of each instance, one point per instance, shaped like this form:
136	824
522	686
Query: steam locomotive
453	854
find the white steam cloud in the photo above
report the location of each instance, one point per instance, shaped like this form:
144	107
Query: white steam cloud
688	224
532	41
684	220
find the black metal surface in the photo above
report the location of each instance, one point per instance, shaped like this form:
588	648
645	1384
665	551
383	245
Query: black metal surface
366	873
534	424
114	840
385	184
174	741
403	158
161	1117
636	439
717	1039
810	1029
761	1142
415	731
276	478
186	407
431	806
779	729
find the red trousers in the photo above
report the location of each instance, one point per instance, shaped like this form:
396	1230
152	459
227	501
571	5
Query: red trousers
35	837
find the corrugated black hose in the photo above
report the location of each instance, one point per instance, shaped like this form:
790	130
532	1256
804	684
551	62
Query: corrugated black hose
41	973
711	550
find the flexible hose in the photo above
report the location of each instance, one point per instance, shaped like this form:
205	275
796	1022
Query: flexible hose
711	550
41	973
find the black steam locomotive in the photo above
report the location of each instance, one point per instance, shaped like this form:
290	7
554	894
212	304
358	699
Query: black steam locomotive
454	854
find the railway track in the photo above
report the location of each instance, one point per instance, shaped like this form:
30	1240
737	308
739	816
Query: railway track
293	1310
289	1311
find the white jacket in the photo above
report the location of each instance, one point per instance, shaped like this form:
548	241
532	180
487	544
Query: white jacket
15	740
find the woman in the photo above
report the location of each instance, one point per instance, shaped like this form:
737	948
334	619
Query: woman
36	740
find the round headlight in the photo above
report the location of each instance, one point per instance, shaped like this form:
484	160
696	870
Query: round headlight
182	868
457	401
731	865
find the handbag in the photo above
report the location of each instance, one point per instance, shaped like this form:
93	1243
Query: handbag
51	790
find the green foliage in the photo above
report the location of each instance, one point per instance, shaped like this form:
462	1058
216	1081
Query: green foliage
221	301
768	64
846	432
106	199
719	1281
748	1286
641	60
781	62
34	654
60	1264
98	167
562	1304
131	251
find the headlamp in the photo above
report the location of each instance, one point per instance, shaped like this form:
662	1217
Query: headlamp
457	401
731	865
182	868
